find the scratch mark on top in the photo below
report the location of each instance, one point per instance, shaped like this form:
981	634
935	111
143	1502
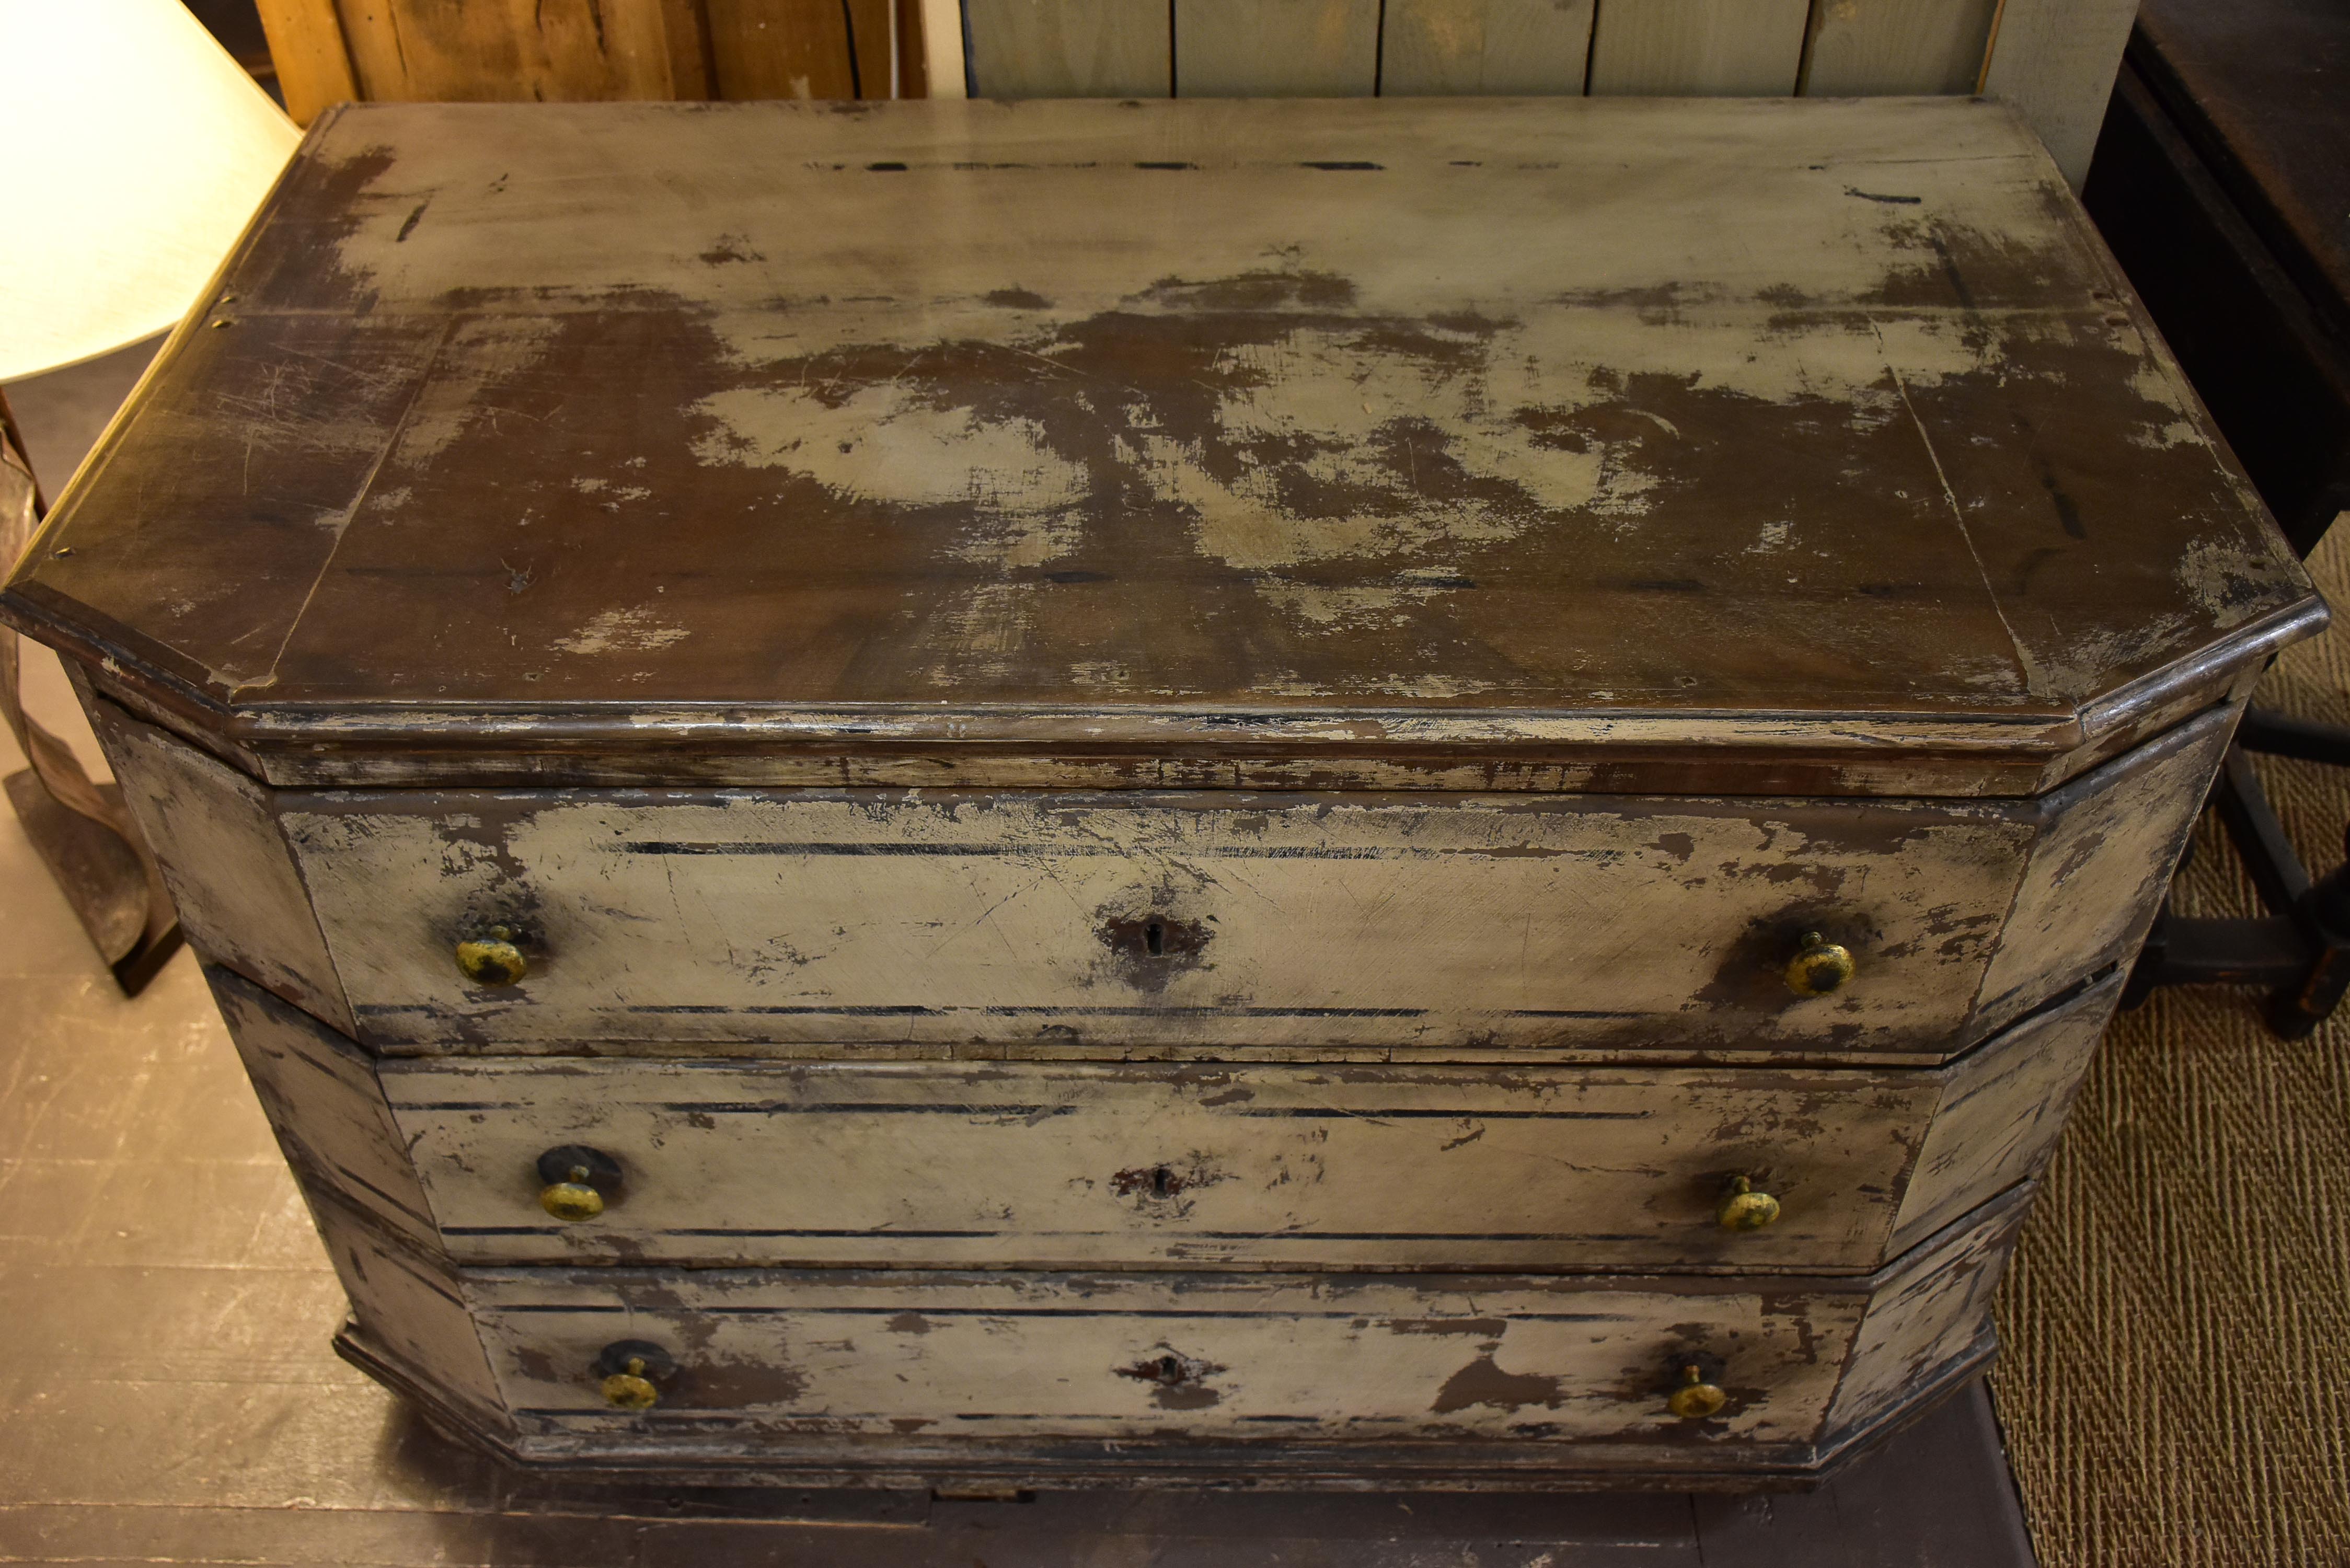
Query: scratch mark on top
2033	682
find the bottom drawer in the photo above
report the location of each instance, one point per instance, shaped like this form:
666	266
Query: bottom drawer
738	1361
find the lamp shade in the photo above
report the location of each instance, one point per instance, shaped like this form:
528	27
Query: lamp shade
133	151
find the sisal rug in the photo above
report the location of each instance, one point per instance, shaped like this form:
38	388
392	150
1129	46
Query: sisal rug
2175	1386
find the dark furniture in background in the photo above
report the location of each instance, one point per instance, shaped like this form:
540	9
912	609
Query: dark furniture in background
2223	183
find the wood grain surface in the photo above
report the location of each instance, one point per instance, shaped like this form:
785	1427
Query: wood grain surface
1276	48
1178	430
1859	47
1698	48
1071	49
1512	46
2054	61
782	49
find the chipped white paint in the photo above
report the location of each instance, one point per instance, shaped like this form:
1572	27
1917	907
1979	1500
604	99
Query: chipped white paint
2098	877
2001	1110
1020	1165
637	627
1367	1361
409	1310
1333	1356
327	1106
1363	919
232	880
883	444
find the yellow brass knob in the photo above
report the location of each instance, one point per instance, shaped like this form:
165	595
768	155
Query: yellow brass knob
629	1388
492	958
1695	1398
1819	967
572	1199
1744	1209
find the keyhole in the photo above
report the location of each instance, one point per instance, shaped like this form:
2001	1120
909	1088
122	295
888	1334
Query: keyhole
1154	939
1163	1182
1170	1370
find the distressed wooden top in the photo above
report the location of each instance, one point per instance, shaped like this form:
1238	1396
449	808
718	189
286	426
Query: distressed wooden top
1544	428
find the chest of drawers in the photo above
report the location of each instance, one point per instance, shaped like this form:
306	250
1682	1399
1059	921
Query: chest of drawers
1396	794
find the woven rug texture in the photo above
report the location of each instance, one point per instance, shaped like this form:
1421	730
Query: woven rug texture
2175	1381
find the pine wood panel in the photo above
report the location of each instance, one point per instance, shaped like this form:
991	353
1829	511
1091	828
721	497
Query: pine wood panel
1892	46
2054	61
1071	49
543	50
307	49
1230	1166
1698	48
1276	48
873	46
781	48
1510	47
942	58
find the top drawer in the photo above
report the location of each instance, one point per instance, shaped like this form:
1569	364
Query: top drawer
1146	922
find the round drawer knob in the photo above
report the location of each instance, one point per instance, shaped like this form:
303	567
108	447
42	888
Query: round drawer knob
492	958
578	1182
1819	967
1743	1208
573	1199
1695	1398
632	1371
629	1388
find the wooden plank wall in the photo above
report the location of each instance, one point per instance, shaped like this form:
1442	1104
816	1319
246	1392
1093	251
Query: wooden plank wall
2057	66
2054	60
566	51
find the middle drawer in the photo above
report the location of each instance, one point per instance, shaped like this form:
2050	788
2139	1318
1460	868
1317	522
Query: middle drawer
1075	1165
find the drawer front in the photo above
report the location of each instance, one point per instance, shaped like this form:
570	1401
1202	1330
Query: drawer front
1367	920
1063	1164
1046	1165
1359	1358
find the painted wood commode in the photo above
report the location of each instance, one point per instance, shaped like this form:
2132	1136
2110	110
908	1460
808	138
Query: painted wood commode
1322	793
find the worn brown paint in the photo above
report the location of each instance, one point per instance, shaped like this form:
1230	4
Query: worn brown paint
1194	487
1040	632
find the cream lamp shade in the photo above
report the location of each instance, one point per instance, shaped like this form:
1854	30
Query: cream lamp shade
133	151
